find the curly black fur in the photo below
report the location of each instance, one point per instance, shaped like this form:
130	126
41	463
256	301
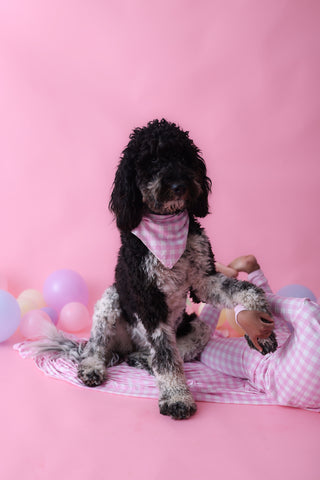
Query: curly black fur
142	318
160	146
143	315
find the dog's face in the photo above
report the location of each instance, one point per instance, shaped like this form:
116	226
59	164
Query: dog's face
162	172
167	174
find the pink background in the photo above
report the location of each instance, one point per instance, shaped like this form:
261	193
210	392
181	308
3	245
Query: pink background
76	77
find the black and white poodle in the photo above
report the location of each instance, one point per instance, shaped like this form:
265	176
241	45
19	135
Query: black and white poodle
161	178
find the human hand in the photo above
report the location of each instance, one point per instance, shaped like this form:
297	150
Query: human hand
245	263
256	325
227	271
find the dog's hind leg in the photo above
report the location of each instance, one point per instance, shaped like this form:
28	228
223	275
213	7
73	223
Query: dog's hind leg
141	359
99	349
192	336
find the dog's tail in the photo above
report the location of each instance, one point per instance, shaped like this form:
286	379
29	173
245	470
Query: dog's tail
56	342
59	345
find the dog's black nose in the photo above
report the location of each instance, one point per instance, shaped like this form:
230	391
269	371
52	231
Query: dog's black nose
179	188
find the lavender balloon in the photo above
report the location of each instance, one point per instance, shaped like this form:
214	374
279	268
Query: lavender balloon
10	315
65	286
296	291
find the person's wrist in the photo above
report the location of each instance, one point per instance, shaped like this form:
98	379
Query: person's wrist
252	264
237	310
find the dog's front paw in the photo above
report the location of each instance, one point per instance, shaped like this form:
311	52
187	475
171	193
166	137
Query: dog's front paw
268	345
178	409
92	372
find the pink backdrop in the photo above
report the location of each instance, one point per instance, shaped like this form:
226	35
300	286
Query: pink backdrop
77	76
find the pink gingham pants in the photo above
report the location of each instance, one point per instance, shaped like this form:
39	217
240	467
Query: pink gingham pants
291	375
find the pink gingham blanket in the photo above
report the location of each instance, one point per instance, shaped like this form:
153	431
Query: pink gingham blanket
230	372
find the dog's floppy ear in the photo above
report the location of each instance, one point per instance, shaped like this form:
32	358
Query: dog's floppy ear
126	199
200	207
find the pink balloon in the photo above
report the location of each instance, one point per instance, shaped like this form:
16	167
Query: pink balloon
74	317
33	324
65	286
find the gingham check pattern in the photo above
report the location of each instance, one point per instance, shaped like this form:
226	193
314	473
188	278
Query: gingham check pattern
229	372
291	375
165	236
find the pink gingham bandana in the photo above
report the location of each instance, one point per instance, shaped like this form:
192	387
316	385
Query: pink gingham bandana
164	235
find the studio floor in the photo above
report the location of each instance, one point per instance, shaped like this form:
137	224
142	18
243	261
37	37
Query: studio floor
51	429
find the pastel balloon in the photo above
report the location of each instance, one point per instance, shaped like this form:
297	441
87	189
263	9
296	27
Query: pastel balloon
222	318
30	300
198	308
222	324
65	286
33	295
74	317
26	304
3	282
33	324
237	331
296	291
10	315
53	314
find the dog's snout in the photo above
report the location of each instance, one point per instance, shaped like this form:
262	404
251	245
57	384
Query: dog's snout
179	188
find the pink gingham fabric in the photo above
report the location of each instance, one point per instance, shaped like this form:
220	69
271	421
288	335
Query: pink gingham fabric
230	372
291	375
164	235
237	309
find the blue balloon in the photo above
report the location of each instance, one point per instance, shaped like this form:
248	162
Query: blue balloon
10	315
297	291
